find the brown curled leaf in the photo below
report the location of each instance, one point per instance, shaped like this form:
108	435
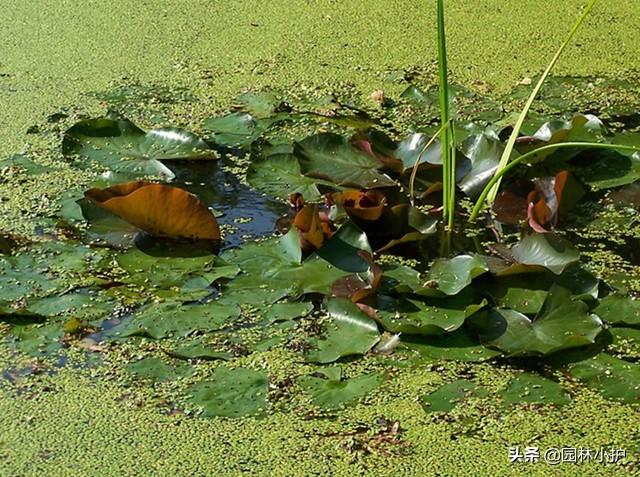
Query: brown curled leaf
158	209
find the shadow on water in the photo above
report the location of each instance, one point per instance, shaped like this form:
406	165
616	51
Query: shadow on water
245	210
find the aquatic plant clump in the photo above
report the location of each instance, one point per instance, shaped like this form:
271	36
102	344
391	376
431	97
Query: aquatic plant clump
356	254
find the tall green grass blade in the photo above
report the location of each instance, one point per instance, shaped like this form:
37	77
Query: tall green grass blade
448	160
521	159
504	159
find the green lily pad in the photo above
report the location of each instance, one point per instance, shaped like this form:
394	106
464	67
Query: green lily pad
522	293
450	276
120	146
37	339
450	395
239	129
484	151
606	169
198	349
431	317
411	147
162	320
157	370
170	265
262	104
82	305
231	393
349	332
341	250
287	311
455	346
24	163
614	378
330	157
617	309
400	278
545	250
273	269
531	388
280	175
334	393
562	323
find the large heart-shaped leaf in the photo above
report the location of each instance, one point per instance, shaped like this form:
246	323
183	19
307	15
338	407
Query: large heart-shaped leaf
165	267
159	209
562	323
331	157
121	146
231	393
349	332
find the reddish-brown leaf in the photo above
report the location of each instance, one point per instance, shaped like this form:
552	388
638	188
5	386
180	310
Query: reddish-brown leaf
158	209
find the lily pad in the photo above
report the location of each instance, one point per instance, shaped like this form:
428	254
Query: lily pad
274	269
614	378
162	320
171	265
450	276
431	317
545	250
562	323
531	388
239	129
484	151
331	157
231	393
156	369
198	349
287	311
335	393
349	332
279	175
24	163
158	209
617	309
450	395
455	346
120	146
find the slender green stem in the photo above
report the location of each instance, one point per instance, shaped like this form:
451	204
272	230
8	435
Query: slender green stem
414	170
498	175
506	155
448	162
